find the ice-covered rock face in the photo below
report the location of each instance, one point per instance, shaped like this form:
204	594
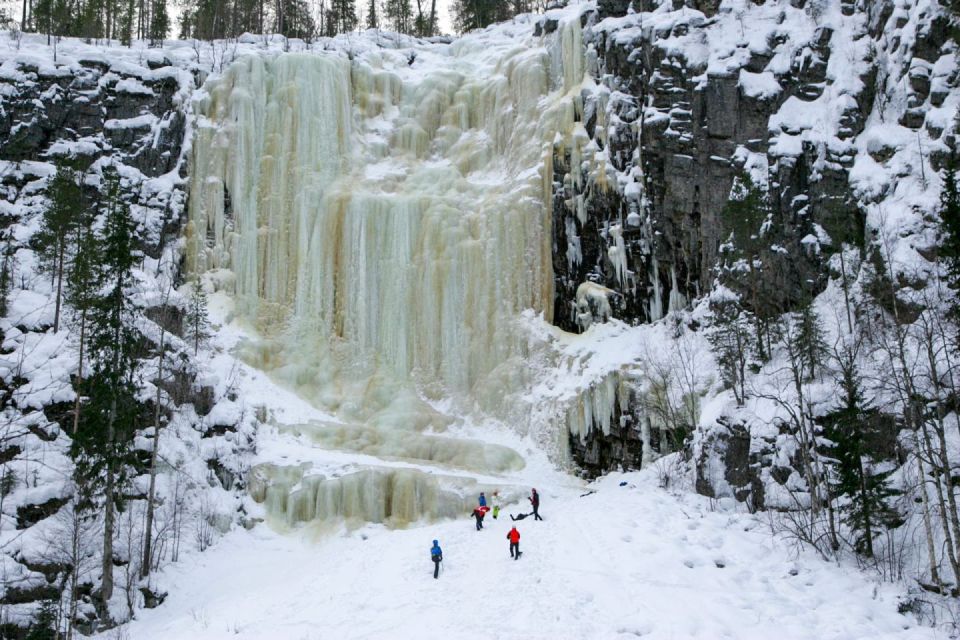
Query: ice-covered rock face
407	445
395	497
391	212
382	220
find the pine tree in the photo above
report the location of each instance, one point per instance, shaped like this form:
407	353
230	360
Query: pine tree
867	490
196	320
159	23
373	19
62	214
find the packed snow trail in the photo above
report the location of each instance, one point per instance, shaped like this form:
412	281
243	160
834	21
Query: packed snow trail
624	562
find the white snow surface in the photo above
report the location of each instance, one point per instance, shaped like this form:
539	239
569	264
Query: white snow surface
623	562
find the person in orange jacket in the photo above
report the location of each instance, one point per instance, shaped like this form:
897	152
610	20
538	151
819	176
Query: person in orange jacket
514	538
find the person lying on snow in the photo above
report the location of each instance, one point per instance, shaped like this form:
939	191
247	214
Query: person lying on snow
437	556
520	516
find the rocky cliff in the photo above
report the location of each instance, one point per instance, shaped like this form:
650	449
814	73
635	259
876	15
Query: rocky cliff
842	111
90	107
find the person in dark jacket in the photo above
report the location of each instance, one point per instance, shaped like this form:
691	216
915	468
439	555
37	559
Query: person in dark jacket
478	513
514	538
519	516
483	500
535	501
437	556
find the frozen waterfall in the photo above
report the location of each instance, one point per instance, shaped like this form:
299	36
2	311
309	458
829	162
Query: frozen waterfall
381	218
384	215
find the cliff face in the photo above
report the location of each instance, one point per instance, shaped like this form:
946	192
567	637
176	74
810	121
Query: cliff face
841	110
90	107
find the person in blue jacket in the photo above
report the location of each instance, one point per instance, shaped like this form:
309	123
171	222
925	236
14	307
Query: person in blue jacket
437	556
483	500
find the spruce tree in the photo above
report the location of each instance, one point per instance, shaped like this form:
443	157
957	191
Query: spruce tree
125	21
809	341
344	16
867	490
44	625
745	214
83	285
159	23
477	14
102	445
950	227
730	339
399	14
62	213
373	19
196	319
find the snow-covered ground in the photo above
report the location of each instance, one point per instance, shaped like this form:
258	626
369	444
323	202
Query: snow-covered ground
625	561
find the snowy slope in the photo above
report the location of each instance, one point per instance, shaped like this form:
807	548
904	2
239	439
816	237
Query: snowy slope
623	562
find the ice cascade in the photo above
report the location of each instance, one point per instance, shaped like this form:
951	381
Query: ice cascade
377	217
381	219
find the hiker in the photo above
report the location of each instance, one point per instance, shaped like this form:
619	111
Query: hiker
437	556
496	504
483	500
519	516
535	501
478	513
514	538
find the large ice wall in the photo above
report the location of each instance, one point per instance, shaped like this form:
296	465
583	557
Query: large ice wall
386	213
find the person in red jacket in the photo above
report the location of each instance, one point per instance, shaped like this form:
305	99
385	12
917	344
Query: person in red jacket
514	538
478	513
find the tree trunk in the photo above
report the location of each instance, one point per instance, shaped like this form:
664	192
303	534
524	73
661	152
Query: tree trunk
106	584
148	537
56	312
927	525
76	403
944	521
846	289
868	531
74	571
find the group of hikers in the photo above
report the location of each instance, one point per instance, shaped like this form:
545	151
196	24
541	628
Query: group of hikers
436	554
